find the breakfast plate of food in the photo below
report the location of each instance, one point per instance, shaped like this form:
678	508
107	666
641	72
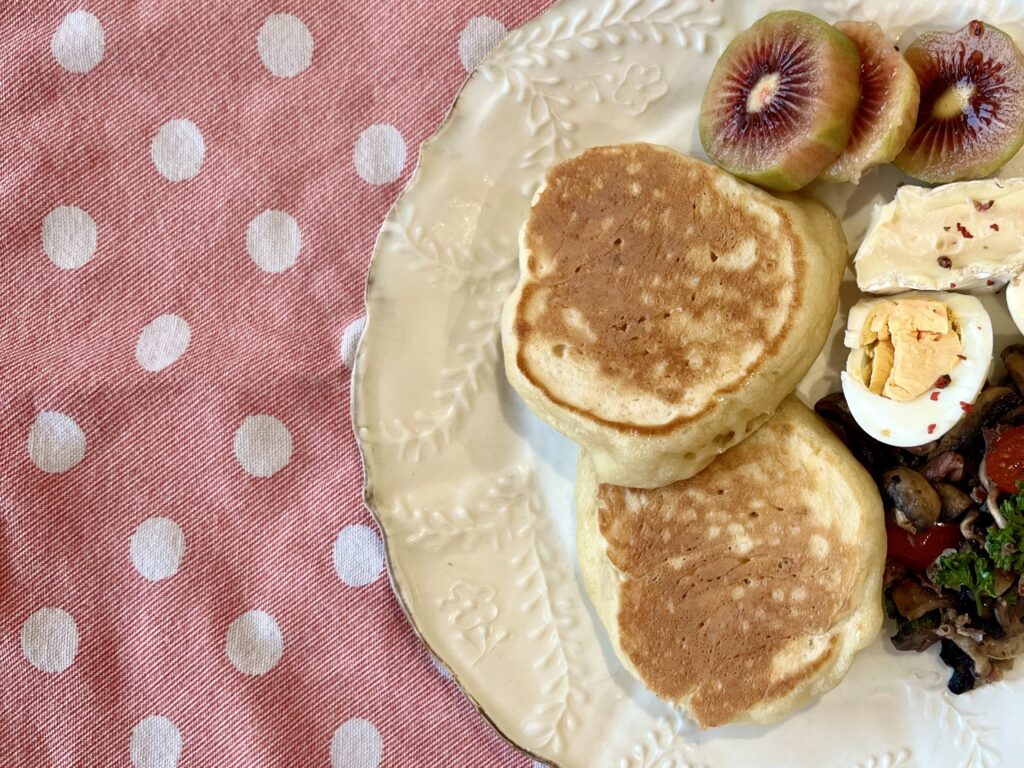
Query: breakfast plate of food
691	396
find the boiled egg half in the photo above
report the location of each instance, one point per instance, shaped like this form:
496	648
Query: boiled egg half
917	363
1015	301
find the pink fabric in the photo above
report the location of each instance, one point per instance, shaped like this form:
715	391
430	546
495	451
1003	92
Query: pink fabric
166	432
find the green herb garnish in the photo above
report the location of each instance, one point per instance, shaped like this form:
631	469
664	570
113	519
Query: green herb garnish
966	569
1006	545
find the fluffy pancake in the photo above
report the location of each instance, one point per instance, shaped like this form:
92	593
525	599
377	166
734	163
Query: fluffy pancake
744	591
664	308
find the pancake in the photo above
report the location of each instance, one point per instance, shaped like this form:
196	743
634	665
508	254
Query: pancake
741	593
665	308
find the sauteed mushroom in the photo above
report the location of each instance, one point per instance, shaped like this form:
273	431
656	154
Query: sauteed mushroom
990	405
1013	358
954	501
917	504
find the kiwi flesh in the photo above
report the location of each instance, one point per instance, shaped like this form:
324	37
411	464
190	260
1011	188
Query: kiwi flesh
971	118
888	107
780	105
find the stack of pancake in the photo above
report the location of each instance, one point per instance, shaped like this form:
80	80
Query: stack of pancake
664	314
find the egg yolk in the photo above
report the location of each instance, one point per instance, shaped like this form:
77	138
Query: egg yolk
906	345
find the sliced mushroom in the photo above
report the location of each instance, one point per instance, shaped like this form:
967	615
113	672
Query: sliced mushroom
954	501
991	497
1003	581
967	527
1005	648
948	466
963	640
991	404
1010	617
917	504
1013	358
964	627
992	507
1011	644
913	600
916	635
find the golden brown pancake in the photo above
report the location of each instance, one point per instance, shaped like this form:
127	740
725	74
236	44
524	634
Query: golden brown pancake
746	590
664	308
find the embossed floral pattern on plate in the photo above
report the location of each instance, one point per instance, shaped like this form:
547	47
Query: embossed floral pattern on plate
474	495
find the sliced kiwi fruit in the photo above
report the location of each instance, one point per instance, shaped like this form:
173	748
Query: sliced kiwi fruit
780	105
971	118
888	103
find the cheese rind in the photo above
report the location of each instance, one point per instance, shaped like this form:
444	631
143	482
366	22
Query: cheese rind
966	236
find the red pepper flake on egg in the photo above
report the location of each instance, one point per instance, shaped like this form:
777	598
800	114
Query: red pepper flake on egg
967	407
962	357
990	282
935	396
980	206
964	231
946	229
994	227
931	429
945	262
952	285
943	381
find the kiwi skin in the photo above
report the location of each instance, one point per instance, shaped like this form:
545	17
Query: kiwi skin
885	130
824	132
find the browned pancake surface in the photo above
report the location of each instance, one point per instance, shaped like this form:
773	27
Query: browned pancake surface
722	573
645	268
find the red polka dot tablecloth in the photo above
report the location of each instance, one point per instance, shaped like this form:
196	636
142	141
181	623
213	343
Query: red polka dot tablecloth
189	193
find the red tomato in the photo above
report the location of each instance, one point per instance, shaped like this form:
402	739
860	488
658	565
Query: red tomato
1004	462
918	551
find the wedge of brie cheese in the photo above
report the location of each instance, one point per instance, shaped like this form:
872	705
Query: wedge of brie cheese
966	236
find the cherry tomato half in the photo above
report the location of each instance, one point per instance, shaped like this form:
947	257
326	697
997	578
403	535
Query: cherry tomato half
918	551
1004	461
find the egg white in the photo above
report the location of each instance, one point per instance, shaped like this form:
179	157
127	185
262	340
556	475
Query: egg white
905	424
1015	301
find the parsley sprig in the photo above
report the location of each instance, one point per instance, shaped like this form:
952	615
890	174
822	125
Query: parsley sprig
1006	545
966	569
1004	550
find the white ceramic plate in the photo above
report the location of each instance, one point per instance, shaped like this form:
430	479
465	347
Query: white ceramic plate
474	495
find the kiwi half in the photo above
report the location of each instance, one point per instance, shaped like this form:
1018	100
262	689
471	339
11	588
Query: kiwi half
888	103
971	119
780	105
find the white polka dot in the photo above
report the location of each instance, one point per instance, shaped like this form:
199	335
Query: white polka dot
162	342
356	744
379	154
273	240
480	35
358	555
156	743
285	45
254	643
178	150
77	45
55	443
157	547
49	639
69	236
441	669
263	445
350	341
